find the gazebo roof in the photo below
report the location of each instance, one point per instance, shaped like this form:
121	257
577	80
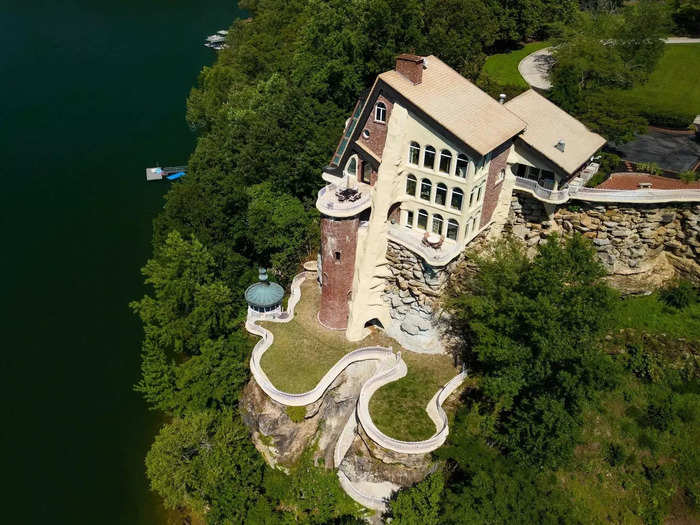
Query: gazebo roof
264	293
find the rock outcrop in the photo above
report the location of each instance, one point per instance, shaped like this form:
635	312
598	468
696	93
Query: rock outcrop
640	245
281	441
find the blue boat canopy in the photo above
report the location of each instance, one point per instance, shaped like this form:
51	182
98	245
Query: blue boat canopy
175	175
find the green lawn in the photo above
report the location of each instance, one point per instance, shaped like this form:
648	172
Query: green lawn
649	314
304	351
410	395
674	86
503	68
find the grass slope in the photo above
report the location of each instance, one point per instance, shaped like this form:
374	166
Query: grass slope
503	67
304	351
673	87
627	469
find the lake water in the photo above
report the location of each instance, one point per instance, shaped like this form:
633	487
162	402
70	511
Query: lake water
92	92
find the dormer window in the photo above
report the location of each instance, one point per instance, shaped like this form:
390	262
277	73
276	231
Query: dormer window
380	112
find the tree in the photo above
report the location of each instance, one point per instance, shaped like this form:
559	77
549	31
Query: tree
282	231
605	51
192	358
421	504
530	330
206	462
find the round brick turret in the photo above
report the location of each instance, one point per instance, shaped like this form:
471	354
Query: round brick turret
338	247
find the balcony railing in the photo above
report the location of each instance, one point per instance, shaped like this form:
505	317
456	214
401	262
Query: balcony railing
413	240
575	191
329	204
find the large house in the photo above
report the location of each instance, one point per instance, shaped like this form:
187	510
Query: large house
426	162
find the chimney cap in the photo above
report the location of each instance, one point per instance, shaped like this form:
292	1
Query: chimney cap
410	57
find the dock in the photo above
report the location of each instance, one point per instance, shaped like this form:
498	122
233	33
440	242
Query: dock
167	172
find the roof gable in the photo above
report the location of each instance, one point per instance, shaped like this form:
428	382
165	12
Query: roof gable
459	106
547	124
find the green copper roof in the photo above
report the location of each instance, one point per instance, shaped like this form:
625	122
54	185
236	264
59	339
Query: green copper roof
264	294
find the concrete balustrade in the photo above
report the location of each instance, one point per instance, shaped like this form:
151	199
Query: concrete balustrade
641	196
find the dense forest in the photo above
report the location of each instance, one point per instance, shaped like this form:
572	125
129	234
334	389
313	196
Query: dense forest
268	115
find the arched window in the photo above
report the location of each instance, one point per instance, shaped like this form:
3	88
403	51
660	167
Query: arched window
414	153
422	219
351	166
441	194
437	224
445	161
452	229
426	188
457	198
429	158
411	183
380	112
462	165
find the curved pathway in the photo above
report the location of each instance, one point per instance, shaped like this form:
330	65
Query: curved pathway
391	368
534	68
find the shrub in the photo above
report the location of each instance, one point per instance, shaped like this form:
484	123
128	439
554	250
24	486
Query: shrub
679	294
649	167
667	118
660	414
609	163
296	414
642	363
614	454
687	176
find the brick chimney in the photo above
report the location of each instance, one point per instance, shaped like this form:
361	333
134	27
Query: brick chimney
411	66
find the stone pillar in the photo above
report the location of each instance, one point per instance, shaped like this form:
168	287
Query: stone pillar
338	248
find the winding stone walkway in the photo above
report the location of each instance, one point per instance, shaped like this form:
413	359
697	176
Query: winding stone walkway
391	368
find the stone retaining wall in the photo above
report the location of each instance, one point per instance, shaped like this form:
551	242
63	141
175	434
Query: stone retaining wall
413	290
629	238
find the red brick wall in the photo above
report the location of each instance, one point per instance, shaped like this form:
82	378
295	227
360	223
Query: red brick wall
493	187
337	236
377	130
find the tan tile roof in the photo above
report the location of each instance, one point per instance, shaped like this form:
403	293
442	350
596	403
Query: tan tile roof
458	105
547	124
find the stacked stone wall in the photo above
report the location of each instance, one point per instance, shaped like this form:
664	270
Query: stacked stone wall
413	290
629	239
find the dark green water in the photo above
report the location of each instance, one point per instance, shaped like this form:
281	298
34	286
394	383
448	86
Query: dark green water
92	92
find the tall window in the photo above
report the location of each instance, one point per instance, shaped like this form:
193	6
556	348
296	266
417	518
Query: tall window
414	153
366	172
437	224
409	219
472	197
351	166
422	219
452	229
479	193
411	182
425	189
380	112
462	165
441	194
445	161
457	198
429	157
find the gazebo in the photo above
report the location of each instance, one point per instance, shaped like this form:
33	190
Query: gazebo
264	297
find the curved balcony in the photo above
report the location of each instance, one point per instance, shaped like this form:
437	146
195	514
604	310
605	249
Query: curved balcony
413	240
330	203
